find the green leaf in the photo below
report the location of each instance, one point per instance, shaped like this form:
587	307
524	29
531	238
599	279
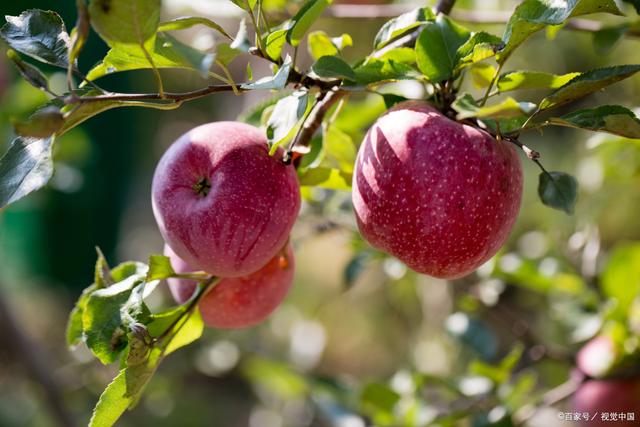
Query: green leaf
247	5
25	167
333	67
74	333
125	21
167	53
403	55
634	3
478	47
437	48
587	83
339	149
517	80
333	179
621	276
159	268
275	42
606	39
533	15
102	320
613	119
379	400
286	114
558	190
186	332
225	53
508	107
482	74
30	73
304	19
185	22
276	82
41	124
112	402
377	71
39	34
320	44
402	24
85	110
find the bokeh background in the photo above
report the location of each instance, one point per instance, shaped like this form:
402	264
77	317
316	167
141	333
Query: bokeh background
357	325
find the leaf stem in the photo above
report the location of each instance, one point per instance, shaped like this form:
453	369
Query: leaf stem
493	81
156	72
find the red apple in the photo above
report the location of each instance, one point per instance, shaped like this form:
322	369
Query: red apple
238	302
597	357
221	202
600	398
439	195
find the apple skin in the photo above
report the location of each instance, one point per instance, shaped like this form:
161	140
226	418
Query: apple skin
439	195
238	224
238	302
606	396
597	356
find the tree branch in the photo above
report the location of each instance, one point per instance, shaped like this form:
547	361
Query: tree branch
444	6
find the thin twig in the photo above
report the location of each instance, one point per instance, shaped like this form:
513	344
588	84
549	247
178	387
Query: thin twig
531	154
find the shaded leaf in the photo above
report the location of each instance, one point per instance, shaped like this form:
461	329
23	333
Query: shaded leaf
39	34
41	124
606	39
558	190
339	148
587	83
333	67
80	33
479	46
355	267
185	22
302	21
25	167
613	119
517	80
437	47
400	25
31	74
74	332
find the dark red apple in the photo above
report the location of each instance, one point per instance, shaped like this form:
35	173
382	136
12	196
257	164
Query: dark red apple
597	357
221	202
600	398
439	195
238	302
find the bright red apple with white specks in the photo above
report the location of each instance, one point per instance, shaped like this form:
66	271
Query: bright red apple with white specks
222	203
601	398
238	302
440	195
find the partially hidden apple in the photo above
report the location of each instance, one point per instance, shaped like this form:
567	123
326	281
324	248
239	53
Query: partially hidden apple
238	302
440	195
600	398
222	203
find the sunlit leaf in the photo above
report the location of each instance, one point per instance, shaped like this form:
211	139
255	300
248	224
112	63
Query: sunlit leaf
400	25
517	80
437	47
